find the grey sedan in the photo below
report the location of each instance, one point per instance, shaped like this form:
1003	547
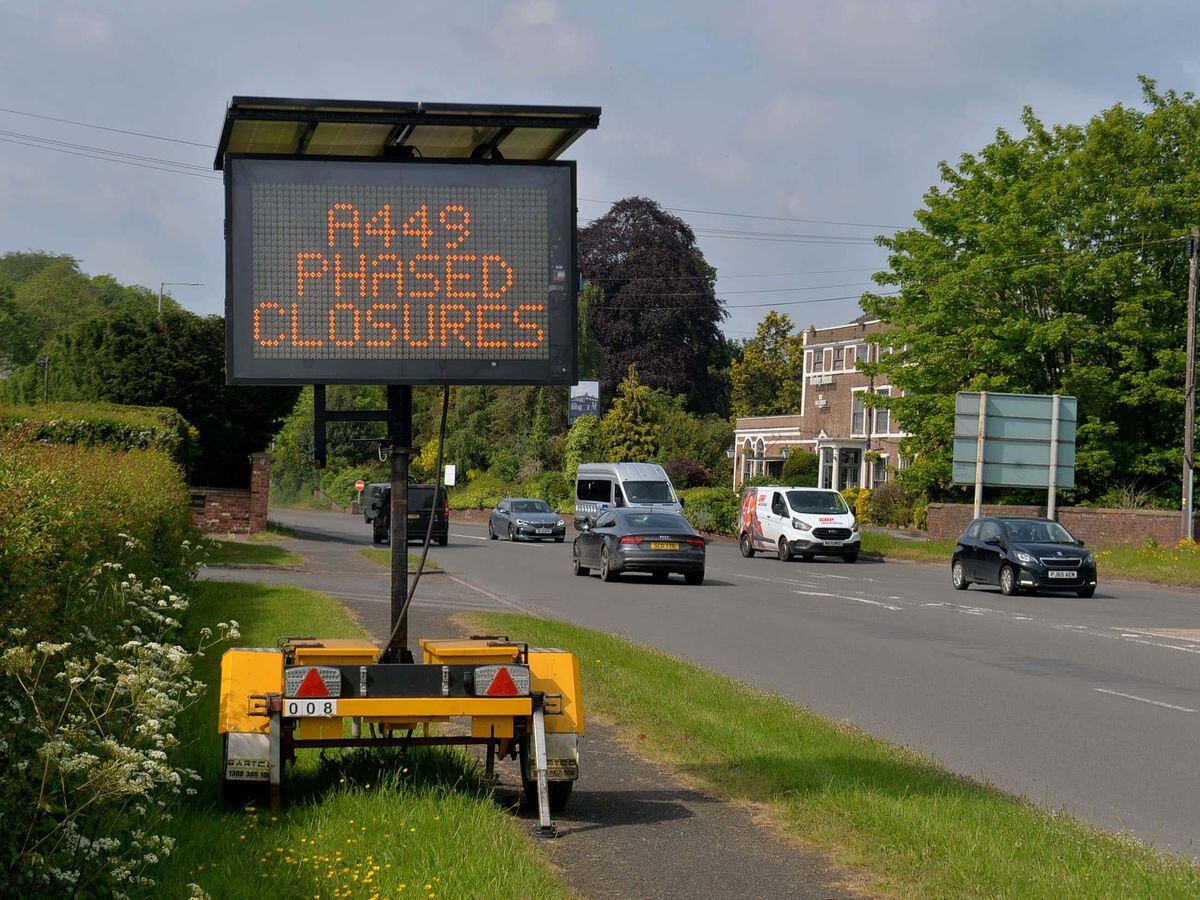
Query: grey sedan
640	540
520	518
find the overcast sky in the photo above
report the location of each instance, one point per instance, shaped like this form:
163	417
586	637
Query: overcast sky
833	111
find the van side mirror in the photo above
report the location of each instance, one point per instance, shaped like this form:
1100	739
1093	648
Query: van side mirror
1079	541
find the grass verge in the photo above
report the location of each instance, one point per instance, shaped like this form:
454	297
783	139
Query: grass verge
245	553
1177	564
912	827
358	824
383	556
275	531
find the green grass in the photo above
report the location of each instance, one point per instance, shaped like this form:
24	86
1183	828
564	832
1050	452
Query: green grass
274	531
245	553
384	558
1176	564
357	824
909	827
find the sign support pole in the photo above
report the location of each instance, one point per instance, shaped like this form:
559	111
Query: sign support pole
1052	476
979	454
399	400
1189	393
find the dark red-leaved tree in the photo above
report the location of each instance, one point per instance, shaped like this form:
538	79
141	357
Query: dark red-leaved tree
659	310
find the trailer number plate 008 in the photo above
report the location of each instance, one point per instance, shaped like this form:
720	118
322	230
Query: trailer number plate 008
308	709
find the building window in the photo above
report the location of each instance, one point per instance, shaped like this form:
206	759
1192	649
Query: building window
826	467
852	357
879	472
864	352
858	414
839	358
818	360
883	417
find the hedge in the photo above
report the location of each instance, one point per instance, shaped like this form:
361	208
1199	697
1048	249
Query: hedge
103	424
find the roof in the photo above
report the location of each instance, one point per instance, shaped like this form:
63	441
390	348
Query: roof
380	129
626	470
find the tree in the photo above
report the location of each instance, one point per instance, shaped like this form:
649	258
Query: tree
629	427
590	353
1052	261
800	468
15	346
584	444
767	377
656	308
539	431
177	360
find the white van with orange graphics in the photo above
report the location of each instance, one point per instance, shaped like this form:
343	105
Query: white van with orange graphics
798	521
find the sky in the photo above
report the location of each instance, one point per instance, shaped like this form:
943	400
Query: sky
802	113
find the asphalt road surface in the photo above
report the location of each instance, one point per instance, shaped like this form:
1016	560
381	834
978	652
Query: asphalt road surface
1090	705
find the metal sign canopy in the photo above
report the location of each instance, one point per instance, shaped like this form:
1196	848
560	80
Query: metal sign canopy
400	129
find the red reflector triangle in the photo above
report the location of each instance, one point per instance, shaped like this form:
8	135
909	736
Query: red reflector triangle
312	685
502	685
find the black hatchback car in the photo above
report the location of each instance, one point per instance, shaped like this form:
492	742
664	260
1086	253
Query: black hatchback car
1022	554
421	506
640	540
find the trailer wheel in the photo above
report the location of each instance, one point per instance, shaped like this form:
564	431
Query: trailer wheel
559	791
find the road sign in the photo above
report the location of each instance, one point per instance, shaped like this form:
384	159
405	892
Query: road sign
1014	440
400	271
359	485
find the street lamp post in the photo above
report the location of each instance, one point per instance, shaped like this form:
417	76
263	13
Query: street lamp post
44	362
165	284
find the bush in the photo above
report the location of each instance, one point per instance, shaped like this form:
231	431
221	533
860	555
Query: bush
715	510
685	472
892	504
551	487
505	465
482	492
800	469
103	425
862	505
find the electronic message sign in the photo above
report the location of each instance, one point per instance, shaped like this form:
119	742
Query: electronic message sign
399	272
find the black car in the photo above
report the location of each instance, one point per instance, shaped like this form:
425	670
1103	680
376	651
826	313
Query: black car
520	518
640	540
1022	554
421	506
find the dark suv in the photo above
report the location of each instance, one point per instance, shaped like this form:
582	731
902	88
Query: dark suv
420	506
1022	554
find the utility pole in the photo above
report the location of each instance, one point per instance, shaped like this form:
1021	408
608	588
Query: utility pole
1189	391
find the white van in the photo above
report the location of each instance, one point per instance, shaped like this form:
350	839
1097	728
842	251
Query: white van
601	485
798	521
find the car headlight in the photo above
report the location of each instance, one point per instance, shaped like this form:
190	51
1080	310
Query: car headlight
854	526
561	524
801	526
1024	557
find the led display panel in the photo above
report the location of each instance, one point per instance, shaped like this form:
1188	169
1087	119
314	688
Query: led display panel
399	272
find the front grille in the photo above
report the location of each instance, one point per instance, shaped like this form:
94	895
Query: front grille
1060	562
832	534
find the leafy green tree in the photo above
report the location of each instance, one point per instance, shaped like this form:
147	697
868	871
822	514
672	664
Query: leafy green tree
1052	262
766	378
539	431
584	444
800	468
591	354
656	306
17	265
630	429
699	438
15	346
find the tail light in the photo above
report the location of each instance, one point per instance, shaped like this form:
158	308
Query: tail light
696	541
631	539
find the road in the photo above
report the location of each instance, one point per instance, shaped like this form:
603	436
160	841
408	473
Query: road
1090	705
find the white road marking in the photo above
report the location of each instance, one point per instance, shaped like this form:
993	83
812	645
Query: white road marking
471	537
1145	700
848	597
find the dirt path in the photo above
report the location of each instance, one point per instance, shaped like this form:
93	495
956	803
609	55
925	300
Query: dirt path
632	828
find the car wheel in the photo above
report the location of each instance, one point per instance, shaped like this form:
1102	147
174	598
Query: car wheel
1008	581
607	573
512	535
746	546
850	557
958	576
693	578
660	576
575	566
443	540
491	531
785	550
1086	592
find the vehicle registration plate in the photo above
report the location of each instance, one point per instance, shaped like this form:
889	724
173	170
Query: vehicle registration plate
307	709
414	515
543	531
1061	573
664	545
833	543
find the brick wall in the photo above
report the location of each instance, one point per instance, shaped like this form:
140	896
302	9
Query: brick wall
227	510
1096	527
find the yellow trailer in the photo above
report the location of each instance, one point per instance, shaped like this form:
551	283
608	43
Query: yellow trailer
523	703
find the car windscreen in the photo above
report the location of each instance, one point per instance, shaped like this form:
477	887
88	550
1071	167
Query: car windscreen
647	492
1037	533
817	503
530	506
656	522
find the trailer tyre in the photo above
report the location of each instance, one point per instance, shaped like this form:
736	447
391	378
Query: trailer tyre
559	791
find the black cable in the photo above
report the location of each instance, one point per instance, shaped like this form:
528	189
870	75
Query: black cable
155	137
437	489
124	162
